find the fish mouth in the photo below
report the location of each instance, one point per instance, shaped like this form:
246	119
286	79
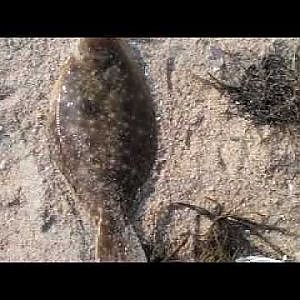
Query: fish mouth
104	52
97	46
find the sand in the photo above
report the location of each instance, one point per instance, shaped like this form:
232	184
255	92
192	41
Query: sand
201	152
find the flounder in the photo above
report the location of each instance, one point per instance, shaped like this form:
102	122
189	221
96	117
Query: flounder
103	125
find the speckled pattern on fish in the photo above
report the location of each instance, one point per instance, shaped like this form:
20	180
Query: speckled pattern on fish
104	125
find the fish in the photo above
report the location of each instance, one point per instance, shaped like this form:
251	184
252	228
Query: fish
102	123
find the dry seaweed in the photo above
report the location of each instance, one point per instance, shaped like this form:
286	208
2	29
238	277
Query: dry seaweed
227	238
268	91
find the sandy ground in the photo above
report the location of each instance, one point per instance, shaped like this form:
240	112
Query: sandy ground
201	152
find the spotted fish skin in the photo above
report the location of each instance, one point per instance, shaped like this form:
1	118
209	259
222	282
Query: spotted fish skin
103	125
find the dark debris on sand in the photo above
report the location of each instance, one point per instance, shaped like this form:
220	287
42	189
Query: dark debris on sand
227	238
268	92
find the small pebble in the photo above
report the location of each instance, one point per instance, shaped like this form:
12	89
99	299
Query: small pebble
3	164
